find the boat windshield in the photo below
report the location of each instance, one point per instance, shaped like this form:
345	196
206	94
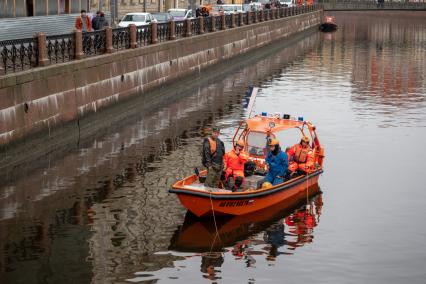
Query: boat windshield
289	137
257	143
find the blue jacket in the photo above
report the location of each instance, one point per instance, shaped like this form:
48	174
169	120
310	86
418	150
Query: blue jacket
277	164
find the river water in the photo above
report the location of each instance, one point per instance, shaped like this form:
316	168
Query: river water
102	213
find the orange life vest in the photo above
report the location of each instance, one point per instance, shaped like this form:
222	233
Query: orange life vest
212	145
301	154
235	163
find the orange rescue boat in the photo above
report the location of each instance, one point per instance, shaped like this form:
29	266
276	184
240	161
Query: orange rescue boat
255	131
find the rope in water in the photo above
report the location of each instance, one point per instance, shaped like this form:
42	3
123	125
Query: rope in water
214	220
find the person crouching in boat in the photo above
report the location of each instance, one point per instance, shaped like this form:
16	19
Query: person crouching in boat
277	162
301	156
212	157
234	166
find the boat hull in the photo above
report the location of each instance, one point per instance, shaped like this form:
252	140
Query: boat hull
204	204
198	234
328	27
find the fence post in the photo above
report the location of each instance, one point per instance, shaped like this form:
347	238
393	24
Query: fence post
108	40
241	19
132	35
154	38
201	24
172	30
187	28
233	25
213	22
43	60
223	27
78	41
261	18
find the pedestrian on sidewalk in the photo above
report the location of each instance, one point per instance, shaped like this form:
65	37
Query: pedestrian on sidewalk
95	21
83	23
103	22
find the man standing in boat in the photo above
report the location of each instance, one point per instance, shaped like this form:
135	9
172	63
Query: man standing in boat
212	157
277	163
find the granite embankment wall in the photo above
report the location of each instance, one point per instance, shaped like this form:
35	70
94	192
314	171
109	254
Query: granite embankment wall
34	102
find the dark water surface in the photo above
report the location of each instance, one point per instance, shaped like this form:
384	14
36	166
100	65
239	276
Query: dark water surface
102	214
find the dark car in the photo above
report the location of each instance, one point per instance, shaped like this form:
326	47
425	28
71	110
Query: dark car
162	17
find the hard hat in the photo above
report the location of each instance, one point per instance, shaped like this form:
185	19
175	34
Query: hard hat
305	139
273	142
215	129
240	143
266	185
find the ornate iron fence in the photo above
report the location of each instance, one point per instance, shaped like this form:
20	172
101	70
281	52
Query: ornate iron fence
163	32
208	24
180	29
228	21
218	23
143	35
121	38
195	26
60	48
18	54
94	43
267	14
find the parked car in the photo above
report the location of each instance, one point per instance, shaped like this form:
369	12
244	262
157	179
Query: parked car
180	14
163	17
287	3
139	19
229	9
254	6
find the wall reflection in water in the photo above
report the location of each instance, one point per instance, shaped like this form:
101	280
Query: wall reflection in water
386	51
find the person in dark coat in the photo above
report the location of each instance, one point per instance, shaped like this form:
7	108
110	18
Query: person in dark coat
102	21
212	157
95	21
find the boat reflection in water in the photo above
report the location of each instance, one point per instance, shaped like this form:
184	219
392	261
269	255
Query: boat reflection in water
271	232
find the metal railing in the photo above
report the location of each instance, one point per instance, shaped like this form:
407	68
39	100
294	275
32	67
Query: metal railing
60	48
218	22
143	35
195	27
163	32
208	24
19	54
179	29
121	38
94	43
22	54
228	21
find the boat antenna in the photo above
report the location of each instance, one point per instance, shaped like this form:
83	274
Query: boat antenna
252	91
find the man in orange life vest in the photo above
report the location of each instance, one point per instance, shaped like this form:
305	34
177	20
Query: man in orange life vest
234	166
212	157
301	156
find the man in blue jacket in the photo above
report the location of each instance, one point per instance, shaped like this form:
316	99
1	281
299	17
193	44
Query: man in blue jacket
277	163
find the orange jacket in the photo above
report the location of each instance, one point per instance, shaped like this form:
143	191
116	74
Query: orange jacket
234	164
301	158
79	24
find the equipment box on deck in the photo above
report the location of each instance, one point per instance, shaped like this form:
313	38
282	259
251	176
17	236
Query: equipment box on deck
253	181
